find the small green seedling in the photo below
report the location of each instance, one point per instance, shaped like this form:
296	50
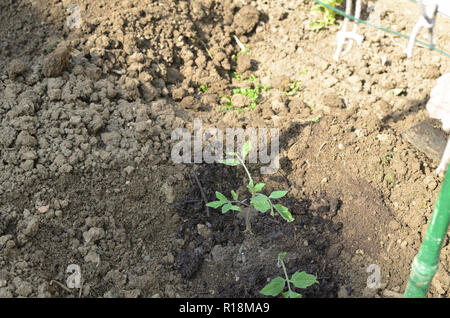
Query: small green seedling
228	105
324	16
203	88
252	93
258	200
293	88
239	77
314	120
299	280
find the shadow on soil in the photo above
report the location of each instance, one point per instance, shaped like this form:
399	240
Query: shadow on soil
219	259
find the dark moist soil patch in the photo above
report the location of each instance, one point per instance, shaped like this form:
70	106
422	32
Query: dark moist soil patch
220	259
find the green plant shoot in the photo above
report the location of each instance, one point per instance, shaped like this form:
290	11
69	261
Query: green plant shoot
293	88
258	200
299	279
203	87
324	16
252	93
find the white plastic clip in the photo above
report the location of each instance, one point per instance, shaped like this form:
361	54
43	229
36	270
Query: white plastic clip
427	19
343	35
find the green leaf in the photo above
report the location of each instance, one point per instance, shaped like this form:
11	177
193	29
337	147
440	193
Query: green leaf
230	162
221	197
277	194
234	195
235	208
303	280
246	149
314	120
265	87
275	287
316	25
215	204
294	87
226	207
237	76
284	212
252	78
261	203
259	197
291	294
259	186
262	206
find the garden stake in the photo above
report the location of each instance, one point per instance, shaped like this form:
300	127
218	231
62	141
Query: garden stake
426	262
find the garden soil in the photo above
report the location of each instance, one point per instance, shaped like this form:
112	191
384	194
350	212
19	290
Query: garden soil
87	178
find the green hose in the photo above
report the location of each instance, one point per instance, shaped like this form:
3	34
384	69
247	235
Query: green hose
426	262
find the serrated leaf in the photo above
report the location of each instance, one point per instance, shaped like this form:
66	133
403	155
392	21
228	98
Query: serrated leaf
261	203
303	280
284	212
278	194
221	197
215	204
234	195
230	162
246	149
275	287
226	207
291	294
